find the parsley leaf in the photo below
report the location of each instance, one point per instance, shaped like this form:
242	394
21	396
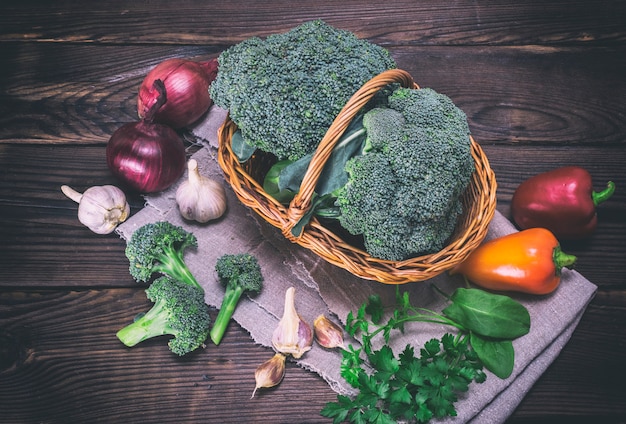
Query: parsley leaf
419	388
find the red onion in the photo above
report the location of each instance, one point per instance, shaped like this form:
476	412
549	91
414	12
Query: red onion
147	156
187	88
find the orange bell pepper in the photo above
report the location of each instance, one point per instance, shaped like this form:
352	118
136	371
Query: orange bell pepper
529	261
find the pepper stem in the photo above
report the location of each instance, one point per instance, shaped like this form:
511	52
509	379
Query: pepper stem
600	196
562	260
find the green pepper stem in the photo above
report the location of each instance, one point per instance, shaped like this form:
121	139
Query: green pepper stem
600	196
562	260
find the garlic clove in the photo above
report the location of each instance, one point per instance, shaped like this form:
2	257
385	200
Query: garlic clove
200	198
327	333
293	336
100	208
269	373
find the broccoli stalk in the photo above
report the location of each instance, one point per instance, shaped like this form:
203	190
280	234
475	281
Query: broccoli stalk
159	248
178	310
238	273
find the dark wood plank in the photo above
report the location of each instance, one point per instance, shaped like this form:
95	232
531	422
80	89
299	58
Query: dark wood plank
511	95
69	367
585	376
389	23
83	101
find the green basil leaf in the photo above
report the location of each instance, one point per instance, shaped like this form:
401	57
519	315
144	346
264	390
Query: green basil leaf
498	356
242	149
488	314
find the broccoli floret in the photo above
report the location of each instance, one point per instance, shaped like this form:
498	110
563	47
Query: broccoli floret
365	200
428	108
238	273
158	247
178	310
285	91
404	193
382	124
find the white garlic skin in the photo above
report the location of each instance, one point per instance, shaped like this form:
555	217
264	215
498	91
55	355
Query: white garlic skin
293	336
200	198
100	208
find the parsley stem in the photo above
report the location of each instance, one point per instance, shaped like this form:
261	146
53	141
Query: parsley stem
435	318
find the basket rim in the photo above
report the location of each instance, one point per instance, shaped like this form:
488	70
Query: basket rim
481	194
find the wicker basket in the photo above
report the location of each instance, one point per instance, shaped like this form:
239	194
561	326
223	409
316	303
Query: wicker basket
479	201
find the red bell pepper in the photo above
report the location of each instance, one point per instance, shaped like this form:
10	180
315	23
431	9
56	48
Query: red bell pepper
561	200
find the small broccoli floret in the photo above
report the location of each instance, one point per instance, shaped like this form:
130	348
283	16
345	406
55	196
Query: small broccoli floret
404	193
428	108
238	273
285	91
159	247
178	310
382	125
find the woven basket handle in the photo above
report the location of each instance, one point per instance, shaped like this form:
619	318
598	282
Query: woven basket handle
302	201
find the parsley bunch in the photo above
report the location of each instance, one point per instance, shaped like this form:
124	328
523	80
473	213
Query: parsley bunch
418	388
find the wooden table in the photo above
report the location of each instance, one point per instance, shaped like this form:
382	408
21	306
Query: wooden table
543	85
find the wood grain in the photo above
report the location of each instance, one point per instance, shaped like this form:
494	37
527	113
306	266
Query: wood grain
390	23
47	381
542	83
528	95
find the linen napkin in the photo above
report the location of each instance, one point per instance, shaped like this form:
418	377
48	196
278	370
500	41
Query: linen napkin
322	288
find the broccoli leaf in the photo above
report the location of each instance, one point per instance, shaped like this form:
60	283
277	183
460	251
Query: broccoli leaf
333	174
241	148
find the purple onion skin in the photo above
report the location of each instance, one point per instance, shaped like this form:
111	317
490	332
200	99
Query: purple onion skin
187	91
147	157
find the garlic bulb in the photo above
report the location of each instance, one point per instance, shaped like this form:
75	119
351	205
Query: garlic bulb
293	336
100	208
200	198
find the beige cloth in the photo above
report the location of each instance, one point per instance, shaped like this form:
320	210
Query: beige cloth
322	288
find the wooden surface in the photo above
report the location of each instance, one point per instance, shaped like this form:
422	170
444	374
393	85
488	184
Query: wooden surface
543	85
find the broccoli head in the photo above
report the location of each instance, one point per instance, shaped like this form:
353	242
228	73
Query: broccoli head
158	247
179	310
404	193
285	91
238	273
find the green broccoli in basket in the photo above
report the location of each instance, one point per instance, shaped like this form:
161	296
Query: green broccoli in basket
396	177
404	192
285	91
